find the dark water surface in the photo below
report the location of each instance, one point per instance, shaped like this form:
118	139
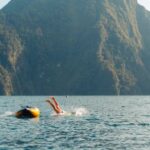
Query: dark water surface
105	123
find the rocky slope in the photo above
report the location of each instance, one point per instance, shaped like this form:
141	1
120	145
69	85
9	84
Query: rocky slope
76	47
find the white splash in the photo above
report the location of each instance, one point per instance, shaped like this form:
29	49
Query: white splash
74	112
80	111
7	113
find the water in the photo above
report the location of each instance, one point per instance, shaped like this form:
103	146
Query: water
105	123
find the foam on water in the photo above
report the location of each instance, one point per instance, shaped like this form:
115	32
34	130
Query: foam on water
80	111
74	112
6	114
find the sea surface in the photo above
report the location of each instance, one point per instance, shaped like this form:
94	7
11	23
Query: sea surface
99	122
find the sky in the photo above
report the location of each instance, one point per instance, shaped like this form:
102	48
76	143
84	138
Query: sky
3	3
145	3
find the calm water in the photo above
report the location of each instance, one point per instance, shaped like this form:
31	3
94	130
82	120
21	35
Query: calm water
105	123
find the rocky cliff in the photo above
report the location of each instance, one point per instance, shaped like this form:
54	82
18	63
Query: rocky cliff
75	47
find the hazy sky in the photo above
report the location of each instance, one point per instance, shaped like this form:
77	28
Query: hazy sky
146	3
3	3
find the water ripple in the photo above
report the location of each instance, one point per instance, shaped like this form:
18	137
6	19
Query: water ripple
105	123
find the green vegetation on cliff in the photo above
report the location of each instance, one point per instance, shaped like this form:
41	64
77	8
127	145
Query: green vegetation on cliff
74	47
10	50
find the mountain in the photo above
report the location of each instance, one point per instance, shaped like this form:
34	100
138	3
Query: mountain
74	47
10	50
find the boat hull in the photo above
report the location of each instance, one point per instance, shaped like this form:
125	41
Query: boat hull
28	113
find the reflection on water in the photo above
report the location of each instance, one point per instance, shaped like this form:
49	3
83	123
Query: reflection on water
98	123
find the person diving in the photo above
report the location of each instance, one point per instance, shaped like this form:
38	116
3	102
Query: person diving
57	109
54	104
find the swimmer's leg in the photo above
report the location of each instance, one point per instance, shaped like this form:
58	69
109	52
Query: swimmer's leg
54	107
57	105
